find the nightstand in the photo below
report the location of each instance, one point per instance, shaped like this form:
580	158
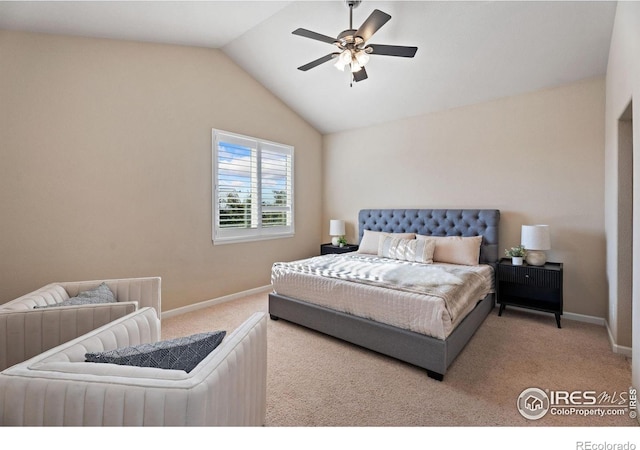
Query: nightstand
533	287
325	249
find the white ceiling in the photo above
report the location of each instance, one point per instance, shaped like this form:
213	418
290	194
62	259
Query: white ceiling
468	52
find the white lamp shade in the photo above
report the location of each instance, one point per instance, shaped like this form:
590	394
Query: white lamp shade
535	237
336	228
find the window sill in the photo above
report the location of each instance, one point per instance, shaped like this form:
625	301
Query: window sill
239	240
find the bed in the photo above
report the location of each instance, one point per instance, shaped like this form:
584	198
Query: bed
323	293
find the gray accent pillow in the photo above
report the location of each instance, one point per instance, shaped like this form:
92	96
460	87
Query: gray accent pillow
100	294
183	353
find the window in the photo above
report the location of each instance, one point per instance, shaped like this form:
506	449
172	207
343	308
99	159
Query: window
252	188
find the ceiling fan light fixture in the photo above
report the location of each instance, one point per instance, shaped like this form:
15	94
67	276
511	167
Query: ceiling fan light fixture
358	60
343	60
362	58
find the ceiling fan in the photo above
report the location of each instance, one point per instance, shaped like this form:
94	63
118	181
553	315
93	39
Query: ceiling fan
353	48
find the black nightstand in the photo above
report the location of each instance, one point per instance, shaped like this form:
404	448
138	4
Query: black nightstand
534	287
325	249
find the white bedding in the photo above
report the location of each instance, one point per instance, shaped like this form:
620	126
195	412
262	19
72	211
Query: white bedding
425	298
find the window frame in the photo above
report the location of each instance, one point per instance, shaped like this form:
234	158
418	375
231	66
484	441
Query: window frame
228	235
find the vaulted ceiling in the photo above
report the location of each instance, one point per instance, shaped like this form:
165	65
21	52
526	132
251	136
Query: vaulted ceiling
468	51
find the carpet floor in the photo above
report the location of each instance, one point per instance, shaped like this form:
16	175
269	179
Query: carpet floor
317	381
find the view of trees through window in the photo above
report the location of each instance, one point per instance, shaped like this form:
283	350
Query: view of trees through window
254	186
236	210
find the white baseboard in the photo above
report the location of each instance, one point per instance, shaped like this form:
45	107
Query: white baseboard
565	315
619	349
215	301
583	318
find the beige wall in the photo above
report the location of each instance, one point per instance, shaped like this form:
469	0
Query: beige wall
623	225
537	157
105	166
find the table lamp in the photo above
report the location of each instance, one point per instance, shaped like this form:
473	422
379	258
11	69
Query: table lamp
536	239
336	230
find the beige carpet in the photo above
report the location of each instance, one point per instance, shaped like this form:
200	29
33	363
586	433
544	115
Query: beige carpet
315	380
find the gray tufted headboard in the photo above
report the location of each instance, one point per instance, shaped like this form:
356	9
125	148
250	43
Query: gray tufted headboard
438	222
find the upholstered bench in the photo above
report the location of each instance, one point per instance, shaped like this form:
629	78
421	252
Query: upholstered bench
35	322
226	388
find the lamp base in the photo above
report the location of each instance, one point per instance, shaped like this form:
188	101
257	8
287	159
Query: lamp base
536	257
335	241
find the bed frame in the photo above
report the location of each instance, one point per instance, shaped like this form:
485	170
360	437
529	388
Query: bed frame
434	355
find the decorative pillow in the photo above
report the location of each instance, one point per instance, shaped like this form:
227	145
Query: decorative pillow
100	294
371	240
411	250
183	353
455	249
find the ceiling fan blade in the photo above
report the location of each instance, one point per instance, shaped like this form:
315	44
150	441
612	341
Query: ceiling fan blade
318	61
373	23
360	75
313	35
393	50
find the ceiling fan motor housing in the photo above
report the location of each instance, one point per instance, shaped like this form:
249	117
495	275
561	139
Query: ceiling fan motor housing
348	37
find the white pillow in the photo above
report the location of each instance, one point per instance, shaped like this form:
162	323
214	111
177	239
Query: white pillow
371	240
455	249
411	250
